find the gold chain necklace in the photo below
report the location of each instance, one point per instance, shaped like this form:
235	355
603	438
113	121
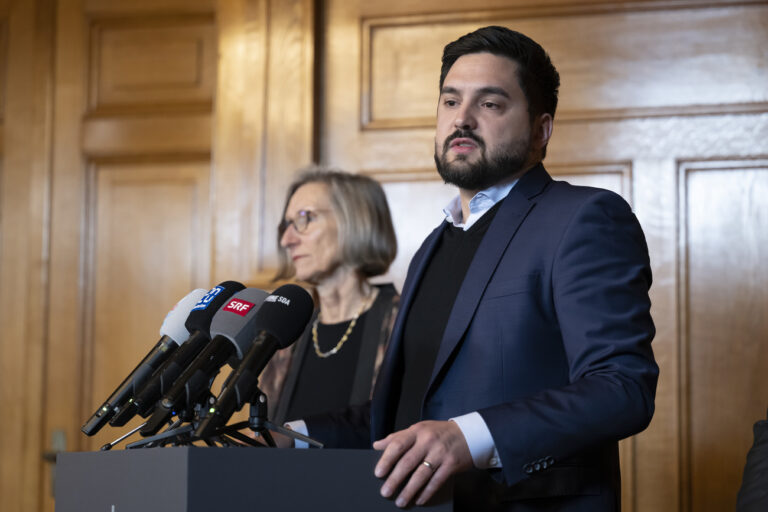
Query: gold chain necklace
343	339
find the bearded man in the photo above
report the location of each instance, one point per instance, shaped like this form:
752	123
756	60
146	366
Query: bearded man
521	353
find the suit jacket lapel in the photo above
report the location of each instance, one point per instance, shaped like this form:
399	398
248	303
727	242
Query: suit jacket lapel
512	212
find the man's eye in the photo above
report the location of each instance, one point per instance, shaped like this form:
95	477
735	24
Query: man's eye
450	103
490	104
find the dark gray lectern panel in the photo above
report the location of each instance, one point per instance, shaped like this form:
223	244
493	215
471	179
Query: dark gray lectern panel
122	481
197	479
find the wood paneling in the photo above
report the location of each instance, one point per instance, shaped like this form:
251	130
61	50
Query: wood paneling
264	127
153	7
24	215
612	65
416	210
724	238
149	61
106	186
290	118
150	245
616	177
155	134
130	233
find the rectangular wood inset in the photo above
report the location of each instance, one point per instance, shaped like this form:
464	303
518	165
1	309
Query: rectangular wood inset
150	232
416	208
612	64
152	62
725	286
614	177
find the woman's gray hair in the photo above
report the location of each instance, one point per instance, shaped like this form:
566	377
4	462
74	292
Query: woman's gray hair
367	240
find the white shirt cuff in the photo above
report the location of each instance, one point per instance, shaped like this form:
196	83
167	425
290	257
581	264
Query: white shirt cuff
300	427
479	439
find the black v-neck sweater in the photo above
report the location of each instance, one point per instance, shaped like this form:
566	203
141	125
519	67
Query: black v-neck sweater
430	310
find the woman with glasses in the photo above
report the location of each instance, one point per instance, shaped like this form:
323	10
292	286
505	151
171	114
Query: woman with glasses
336	234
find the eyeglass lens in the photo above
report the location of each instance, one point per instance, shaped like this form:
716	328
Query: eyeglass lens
300	223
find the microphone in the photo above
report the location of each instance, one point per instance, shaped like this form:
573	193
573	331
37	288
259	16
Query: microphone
172	334
280	321
232	331
198	323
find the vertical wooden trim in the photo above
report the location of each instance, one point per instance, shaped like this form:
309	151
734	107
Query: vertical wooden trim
24	256
263	126
686	168
318	63
683	292
88	257
289	122
366	80
238	133
64	384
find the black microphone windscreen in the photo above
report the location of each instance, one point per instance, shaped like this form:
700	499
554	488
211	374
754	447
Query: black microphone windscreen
285	314
200	317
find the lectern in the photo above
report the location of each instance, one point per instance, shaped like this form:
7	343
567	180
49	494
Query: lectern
205	479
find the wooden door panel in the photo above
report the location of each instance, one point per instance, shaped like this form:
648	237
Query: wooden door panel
416	210
615	177
725	339
152	60
106	184
151	246
612	64
131	229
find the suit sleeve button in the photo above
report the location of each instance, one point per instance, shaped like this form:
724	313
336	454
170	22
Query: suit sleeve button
537	466
550	461
528	469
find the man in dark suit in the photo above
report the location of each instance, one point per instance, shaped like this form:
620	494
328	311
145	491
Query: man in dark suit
753	493
521	353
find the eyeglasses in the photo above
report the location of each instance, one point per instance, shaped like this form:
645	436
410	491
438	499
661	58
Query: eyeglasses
300	222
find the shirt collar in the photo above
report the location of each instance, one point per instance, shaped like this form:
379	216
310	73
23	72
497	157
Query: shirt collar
478	205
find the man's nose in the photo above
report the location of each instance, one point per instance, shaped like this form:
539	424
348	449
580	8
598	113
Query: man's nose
465	118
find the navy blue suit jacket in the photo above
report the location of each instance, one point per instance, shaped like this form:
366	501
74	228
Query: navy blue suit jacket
548	339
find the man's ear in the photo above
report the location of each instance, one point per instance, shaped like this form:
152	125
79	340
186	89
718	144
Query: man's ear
542	131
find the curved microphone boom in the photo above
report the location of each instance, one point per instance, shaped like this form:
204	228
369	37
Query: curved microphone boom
280	321
172	334
198	324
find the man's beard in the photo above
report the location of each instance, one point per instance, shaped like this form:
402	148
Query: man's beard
488	170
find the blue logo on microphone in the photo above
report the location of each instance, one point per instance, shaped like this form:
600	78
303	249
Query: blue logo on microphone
207	298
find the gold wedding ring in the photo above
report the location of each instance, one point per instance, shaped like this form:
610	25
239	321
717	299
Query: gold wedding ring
428	464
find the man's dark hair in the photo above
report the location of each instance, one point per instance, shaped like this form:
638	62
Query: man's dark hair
536	75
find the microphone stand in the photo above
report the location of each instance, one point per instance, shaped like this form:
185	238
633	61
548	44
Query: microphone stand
177	432
111	445
259	423
180	432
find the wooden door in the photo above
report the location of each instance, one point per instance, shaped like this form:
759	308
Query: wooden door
140	142
163	181
663	102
